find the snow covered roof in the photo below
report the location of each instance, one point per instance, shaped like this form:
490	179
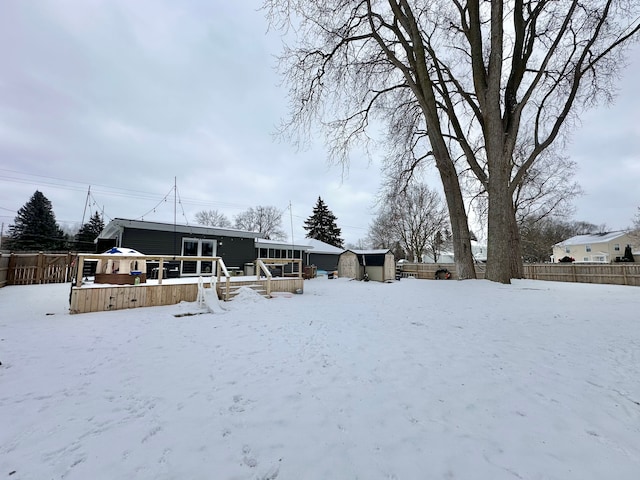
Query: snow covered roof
264	243
380	251
592	238
318	246
122	251
115	226
310	245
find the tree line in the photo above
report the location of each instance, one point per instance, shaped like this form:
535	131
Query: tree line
267	220
410	223
35	227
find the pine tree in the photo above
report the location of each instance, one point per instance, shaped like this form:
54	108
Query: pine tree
35	227
84	239
321	225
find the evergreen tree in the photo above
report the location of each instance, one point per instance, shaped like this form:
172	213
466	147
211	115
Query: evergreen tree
321	225
84	239
35	227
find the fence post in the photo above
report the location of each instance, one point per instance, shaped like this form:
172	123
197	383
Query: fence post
575	276
11	274
68	269
39	268
624	274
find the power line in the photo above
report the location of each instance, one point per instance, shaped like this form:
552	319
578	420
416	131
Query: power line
111	191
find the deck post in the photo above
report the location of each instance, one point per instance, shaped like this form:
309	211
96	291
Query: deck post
80	270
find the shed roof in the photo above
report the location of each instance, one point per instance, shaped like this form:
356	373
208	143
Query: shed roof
370	258
380	251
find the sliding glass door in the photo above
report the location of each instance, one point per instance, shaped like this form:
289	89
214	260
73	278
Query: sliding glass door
196	247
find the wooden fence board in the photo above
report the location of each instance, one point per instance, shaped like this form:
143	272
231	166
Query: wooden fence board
4	268
612	274
95	299
39	268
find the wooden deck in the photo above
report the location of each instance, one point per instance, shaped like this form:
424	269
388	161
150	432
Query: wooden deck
99	298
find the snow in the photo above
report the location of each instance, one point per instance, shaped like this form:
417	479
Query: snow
592	238
414	379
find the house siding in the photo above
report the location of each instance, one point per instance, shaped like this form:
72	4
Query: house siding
324	261
234	251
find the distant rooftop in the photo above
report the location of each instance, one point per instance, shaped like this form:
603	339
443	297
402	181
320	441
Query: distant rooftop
592	238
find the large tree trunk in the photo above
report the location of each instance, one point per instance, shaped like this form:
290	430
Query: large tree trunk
515	259
465	268
499	227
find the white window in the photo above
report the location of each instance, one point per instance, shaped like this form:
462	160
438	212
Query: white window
197	247
588	248
585	259
567	250
598	258
616	247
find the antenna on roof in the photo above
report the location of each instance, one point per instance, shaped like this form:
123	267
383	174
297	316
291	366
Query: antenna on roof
175	192
291	216
86	203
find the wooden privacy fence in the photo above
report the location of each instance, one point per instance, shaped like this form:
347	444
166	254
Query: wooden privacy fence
607	273
603	273
37	268
428	270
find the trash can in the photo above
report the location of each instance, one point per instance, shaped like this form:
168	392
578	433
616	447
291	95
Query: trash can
249	269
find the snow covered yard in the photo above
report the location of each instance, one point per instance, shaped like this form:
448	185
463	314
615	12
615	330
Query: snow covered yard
410	380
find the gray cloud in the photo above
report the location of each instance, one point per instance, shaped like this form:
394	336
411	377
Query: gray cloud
124	96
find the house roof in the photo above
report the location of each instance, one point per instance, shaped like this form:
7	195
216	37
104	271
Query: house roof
115	226
310	245
318	246
264	243
592	238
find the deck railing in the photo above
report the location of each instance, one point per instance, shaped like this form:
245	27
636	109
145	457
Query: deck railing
222	271
267	273
161	259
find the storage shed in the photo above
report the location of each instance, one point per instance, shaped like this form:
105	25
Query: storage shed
378	265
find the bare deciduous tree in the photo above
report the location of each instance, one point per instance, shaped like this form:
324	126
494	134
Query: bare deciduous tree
266	220
212	218
634	230
381	233
457	82
540	235
414	217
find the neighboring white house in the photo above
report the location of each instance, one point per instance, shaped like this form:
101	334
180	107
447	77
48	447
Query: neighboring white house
594	247
478	250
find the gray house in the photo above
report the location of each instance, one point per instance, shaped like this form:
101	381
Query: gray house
322	255
235	247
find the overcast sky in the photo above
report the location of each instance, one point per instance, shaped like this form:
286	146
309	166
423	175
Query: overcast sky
124	96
